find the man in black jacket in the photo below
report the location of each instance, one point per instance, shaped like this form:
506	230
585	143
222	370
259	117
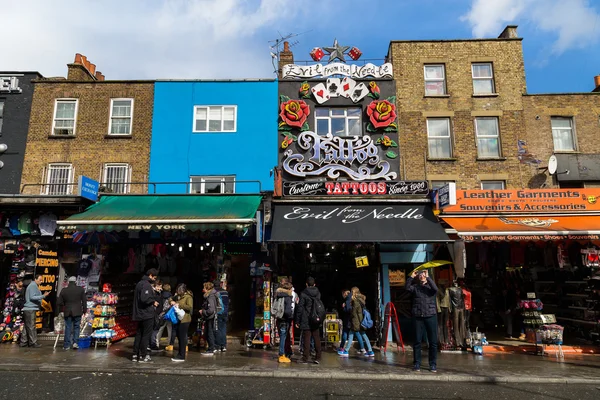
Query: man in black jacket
73	299
144	303
303	322
424	311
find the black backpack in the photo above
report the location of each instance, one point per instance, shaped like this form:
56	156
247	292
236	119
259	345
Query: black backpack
317	313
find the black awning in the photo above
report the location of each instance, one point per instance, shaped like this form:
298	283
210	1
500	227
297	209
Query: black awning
356	223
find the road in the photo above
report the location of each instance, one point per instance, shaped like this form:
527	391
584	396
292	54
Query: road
67	386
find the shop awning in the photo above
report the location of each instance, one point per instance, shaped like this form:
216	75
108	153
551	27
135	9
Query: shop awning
525	227
356	222
166	212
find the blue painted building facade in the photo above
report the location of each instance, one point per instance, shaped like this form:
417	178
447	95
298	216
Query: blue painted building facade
214	136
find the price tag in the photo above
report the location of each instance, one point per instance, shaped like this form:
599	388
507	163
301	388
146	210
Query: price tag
531	295
362	262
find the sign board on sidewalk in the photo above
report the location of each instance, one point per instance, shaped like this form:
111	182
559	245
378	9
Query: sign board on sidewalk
447	195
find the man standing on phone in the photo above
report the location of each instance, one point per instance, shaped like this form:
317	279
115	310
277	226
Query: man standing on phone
424	311
33	302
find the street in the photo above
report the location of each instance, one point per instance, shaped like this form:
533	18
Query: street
99	386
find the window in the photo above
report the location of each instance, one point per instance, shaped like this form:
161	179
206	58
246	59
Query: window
492	185
435	80
338	121
215	118
438	135
435	185
483	78
59	178
65	117
488	137
1	113
562	134
121	116
212	184
116	177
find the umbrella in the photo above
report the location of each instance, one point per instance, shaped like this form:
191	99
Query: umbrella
94	237
431	264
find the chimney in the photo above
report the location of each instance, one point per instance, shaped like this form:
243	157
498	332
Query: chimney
510	32
596	84
82	69
99	76
285	57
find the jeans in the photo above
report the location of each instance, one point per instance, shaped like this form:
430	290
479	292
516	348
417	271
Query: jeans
308	335
142	337
426	325
285	346
158	333
301	345
72	325
28	330
361	338
182	339
221	333
210	333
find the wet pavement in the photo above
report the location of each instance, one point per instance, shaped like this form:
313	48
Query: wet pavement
239	361
101	386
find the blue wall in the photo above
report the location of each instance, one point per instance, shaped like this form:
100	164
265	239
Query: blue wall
176	153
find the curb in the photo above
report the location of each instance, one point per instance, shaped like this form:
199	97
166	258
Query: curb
297	374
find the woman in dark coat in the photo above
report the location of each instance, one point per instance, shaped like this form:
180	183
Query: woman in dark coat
356	317
424	311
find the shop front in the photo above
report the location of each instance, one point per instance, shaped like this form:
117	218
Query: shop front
523	245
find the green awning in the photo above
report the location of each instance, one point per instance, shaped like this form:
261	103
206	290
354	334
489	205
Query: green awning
166	212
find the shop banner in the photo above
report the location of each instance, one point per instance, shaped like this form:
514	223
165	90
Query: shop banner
525	201
356	223
383	188
46	264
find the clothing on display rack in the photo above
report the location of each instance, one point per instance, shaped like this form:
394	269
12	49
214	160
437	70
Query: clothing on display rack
457	310
443	301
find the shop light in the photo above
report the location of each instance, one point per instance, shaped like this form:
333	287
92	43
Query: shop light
207	244
327	254
310	255
172	244
190	245
308	246
180	248
201	248
332	247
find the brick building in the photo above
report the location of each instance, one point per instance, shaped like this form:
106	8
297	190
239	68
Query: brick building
460	106
86	125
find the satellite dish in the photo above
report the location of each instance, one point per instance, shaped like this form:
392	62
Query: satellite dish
552	164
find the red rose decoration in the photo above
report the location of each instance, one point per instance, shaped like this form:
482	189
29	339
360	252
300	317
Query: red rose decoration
382	113
294	112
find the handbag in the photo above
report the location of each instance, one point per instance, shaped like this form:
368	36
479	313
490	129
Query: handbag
180	313
171	316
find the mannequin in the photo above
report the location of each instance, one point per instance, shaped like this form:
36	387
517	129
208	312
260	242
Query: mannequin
457	310
468	305
443	300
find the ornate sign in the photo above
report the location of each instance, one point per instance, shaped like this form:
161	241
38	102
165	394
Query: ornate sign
355	188
9	84
354	71
334	155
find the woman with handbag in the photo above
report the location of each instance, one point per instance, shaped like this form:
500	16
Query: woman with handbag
183	301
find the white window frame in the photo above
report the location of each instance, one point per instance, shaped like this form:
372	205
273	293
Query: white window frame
212	178
449	137
3	104
573	136
126	184
110	117
486	78
56	101
491	182
496	136
443	79
208	107
346	118
49	189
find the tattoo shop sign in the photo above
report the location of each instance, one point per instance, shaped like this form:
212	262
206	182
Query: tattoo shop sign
334	189
46	264
354	71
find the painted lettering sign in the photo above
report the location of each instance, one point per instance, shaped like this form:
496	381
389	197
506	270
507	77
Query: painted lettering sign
354	71
381	188
356	157
46	264
353	214
9	84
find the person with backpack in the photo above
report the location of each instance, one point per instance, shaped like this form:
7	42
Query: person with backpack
209	313
346	324
282	311
164	302
222	315
144	303
360	321
424	312
310	316
184	299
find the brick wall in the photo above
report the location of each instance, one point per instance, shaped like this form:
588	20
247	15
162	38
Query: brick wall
91	148
461	106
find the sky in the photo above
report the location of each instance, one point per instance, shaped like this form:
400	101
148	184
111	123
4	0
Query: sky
230	39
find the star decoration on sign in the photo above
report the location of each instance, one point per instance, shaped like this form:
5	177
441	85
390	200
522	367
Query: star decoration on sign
336	52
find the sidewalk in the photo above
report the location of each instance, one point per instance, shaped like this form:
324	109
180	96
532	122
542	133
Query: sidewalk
239	361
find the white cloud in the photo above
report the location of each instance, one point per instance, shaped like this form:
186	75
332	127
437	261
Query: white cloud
141	39
575	23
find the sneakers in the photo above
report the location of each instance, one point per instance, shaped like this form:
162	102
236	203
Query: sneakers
169	348
362	351
343	353
75	346
36	346
223	349
208	353
177	359
433	369
284	360
370	354
417	368
317	361
146	359
134	358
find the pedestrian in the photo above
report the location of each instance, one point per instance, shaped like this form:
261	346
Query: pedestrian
284	324
209	313
157	287
424	311
73	301
310	297
358	302
184	299
165	302
33	302
221	333
144	304
346	324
